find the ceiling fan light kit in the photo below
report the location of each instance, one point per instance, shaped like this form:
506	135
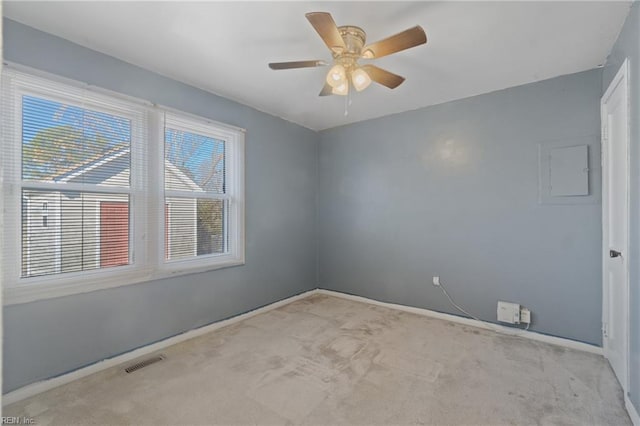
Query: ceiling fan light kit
360	79
336	76
347	46
341	90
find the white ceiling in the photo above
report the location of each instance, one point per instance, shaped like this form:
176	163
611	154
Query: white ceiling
224	48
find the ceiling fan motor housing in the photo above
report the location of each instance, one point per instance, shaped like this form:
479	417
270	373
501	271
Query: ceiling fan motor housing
354	40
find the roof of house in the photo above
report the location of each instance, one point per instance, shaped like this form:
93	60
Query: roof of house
118	153
91	163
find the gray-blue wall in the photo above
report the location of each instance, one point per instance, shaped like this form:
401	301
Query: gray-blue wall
449	190
452	191
628	46
50	337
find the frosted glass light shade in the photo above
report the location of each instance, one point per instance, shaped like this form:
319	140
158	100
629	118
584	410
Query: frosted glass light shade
360	79
336	76
341	90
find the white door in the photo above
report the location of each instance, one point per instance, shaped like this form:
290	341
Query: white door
615	223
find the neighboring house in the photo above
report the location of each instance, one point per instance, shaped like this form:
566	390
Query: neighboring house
71	231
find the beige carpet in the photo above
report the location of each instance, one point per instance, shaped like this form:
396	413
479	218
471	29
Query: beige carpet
327	361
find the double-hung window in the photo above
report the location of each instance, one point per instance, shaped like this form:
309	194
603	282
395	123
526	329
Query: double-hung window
89	201
202	180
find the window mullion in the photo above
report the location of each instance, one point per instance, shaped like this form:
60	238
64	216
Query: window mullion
139	199
155	190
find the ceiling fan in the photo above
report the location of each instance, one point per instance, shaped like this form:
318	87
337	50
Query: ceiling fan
347	46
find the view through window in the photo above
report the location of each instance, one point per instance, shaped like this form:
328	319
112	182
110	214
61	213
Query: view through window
66	230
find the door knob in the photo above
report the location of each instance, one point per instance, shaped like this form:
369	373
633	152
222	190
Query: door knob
614	253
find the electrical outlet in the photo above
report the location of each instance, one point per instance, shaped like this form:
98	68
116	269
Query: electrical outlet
436	281
508	312
525	316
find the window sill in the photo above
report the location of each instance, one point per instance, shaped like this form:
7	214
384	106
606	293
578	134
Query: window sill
61	286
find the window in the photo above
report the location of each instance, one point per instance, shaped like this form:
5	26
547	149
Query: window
201	192
88	199
74	159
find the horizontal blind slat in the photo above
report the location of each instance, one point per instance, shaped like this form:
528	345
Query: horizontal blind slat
196	199
70	153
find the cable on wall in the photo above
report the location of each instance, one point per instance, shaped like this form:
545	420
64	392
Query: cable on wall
502	329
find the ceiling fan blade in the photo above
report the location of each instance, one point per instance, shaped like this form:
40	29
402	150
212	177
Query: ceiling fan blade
405	40
296	64
327	29
326	90
383	77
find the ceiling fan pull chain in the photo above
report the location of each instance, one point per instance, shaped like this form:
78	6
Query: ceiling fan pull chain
347	100
346	105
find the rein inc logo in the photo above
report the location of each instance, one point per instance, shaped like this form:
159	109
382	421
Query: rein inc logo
15	420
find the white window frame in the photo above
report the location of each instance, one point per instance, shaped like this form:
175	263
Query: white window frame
146	192
234	195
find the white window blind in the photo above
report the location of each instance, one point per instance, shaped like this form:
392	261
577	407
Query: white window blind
101	191
73	163
196	197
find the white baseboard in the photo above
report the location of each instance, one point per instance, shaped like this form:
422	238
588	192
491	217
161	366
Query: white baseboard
633	413
45	385
559	341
